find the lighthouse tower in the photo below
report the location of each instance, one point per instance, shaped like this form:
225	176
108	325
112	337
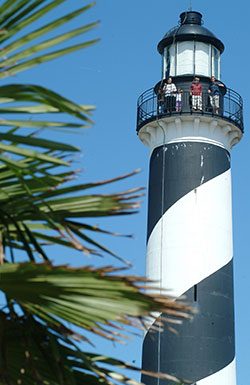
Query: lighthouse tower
189	235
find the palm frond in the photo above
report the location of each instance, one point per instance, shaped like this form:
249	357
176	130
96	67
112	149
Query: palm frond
43	97
46	356
24	49
11	61
60	295
43	30
34	200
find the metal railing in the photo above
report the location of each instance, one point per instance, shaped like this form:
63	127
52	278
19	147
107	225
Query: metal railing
152	106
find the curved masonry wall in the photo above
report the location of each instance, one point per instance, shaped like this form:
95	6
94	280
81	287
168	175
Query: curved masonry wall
189	252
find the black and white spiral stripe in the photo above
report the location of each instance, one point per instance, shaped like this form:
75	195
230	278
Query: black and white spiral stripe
189	252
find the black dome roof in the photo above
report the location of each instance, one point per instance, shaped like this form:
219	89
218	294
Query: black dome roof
190	28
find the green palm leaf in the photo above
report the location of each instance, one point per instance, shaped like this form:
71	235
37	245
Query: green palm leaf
37	142
53	219
38	124
17	19
44	58
38	109
51	357
43	96
45	45
30	154
43	30
62	294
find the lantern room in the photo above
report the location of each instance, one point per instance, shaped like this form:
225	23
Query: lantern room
190	49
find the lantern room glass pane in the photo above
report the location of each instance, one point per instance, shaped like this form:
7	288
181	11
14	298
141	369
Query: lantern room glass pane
167	62
202	62
172	70
216	63
163	63
185	58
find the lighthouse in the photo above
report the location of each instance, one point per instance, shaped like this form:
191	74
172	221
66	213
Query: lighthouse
190	120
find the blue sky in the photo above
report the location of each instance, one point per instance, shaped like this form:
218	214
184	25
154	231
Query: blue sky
111	75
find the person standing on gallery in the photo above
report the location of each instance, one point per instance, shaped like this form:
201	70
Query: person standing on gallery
214	94
169	90
196	94
179	100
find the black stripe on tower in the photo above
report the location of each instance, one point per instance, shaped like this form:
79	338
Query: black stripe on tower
178	168
203	345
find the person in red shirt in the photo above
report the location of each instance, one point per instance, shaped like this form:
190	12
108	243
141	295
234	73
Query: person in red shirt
196	93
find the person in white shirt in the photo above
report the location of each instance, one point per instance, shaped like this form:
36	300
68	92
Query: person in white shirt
169	90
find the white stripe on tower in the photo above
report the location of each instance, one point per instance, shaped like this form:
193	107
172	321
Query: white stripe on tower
189	251
193	238
223	376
